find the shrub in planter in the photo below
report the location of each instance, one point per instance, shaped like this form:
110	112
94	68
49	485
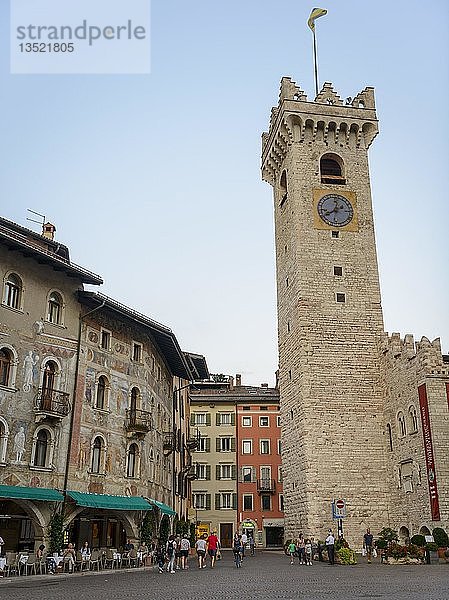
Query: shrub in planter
441	538
431	547
388	534
346	556
418	540
397	551
415	551
381	544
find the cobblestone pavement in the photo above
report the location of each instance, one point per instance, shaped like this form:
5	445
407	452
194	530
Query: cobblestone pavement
268	575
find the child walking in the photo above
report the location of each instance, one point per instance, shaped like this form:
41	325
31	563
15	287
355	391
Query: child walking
291	551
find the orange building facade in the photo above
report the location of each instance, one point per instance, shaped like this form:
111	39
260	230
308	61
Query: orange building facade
260	509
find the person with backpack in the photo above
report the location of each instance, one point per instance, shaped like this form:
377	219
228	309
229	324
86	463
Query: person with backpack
237	551
159	555
170	550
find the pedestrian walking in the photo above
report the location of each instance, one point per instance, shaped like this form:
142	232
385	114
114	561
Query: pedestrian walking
244	541
212	548
159	555
368	544
184	551
291	550
330	546
170	550
308	552
200	547
252	544
300	549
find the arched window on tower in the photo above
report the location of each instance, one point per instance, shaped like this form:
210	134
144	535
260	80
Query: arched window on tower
283	191
332	169
413	415
390	437
402	425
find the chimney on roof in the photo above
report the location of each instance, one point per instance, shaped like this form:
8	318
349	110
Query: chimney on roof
264	385
238	380
48	231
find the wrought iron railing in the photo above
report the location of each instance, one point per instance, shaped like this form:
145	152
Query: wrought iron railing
138	420
52	402
266	486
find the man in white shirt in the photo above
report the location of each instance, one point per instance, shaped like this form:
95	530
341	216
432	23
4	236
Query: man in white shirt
330	542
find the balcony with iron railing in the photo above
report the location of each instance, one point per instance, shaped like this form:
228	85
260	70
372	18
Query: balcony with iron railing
138	421
266	486
168	442
51	403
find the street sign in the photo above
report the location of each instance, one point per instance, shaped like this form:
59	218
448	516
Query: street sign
339	509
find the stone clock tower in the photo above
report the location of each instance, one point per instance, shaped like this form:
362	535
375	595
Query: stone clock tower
315	155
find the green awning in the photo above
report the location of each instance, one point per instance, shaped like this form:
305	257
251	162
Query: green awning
30	493
164	508
109	502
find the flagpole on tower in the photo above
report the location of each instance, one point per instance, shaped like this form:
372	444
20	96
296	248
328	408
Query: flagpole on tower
315	62
314	15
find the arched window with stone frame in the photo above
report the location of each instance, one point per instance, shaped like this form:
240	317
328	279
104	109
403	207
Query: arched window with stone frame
8	366
4	436
55	308
13	291
132	461
102	395
43	447
98	454
332	169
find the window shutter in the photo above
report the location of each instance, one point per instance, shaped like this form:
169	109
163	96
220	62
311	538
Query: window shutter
233	472
192	419
233	444
207	501
217	472
217	501
253	474
232	418
207	418
207	444
234	501
217	444
217	419
208	472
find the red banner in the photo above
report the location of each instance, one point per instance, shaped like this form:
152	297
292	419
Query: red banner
447	394
428	448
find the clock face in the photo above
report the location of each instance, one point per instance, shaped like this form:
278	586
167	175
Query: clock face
335	210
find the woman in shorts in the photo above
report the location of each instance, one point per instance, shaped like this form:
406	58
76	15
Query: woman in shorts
184	551
200	547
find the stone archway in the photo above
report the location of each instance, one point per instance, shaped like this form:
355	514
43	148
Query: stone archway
404	536
424	530
19	510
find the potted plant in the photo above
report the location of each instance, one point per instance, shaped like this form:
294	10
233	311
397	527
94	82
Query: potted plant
381	546
432	552
441	540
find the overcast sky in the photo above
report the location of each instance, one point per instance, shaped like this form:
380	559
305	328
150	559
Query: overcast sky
153	181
